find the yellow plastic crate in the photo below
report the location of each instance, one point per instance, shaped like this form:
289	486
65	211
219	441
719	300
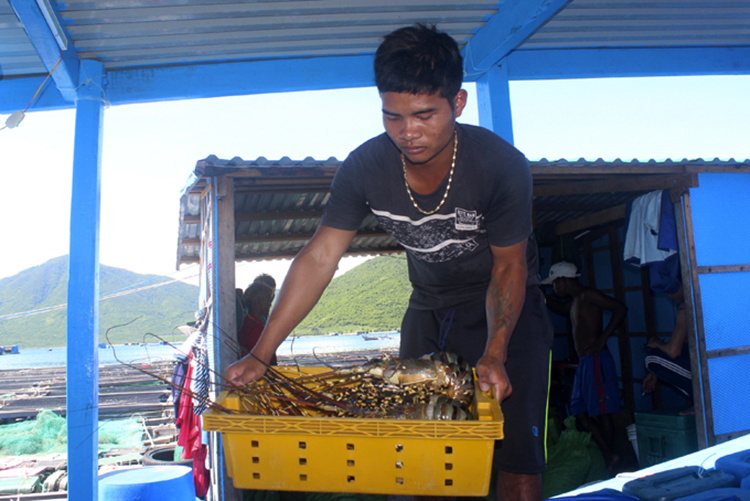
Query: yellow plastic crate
370	456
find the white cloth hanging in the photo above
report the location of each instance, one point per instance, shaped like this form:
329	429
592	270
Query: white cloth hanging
642	237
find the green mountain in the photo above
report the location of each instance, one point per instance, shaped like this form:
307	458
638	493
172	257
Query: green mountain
152	308
373	296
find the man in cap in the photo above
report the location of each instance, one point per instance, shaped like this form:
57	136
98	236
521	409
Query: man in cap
596	395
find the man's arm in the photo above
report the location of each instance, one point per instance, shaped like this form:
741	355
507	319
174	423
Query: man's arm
308	276
505	298
619	311
557	306
679	335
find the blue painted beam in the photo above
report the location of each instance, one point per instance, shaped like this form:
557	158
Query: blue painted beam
65	62
236	79
493	102
83	293
16	93
629	62
233	79
513	23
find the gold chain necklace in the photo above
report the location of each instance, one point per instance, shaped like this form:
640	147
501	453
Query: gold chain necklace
447	188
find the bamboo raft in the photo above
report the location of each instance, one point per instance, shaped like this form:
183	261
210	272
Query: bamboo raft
123	392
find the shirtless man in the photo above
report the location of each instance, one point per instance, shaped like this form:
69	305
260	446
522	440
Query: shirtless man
596	395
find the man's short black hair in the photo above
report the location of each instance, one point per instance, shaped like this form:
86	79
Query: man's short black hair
419	59
267	279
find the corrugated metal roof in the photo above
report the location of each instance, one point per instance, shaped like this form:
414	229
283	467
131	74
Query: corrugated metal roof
143	33
138	33
17	54
279	203
645	23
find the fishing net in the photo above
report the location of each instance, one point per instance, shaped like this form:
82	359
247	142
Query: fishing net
47	434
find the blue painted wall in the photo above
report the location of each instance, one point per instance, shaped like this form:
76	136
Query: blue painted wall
721	217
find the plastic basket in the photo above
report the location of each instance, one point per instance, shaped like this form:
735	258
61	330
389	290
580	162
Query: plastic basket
371	456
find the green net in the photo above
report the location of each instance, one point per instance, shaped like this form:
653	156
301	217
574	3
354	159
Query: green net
47	434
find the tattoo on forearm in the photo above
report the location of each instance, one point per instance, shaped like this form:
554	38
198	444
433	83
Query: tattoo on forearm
502	306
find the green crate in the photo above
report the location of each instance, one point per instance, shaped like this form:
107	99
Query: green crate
664	435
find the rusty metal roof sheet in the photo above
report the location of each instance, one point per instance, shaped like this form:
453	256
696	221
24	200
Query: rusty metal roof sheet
278	203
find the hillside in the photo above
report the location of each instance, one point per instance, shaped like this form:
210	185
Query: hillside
373	296
160	309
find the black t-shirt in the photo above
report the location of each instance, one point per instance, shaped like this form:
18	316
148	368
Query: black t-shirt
449	256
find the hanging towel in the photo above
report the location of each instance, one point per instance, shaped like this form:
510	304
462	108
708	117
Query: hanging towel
642	235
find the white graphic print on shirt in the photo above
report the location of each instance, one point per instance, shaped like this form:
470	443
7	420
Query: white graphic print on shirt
437	238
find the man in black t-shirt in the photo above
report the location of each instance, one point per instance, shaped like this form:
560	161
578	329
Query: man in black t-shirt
458	198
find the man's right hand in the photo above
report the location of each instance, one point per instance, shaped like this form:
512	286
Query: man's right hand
649	382
245	370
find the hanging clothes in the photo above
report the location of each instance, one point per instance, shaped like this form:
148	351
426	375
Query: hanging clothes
651	240
190	436
201	374
642	234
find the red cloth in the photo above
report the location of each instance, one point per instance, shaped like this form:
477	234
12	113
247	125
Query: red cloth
249	333
190	435
201	475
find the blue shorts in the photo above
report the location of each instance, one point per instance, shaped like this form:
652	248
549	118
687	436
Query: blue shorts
463	330
595	388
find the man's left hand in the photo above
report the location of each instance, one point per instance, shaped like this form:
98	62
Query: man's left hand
491	374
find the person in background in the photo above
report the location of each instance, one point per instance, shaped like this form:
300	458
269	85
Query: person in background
669	361
267	279
458	199
240	305
257	298
596	394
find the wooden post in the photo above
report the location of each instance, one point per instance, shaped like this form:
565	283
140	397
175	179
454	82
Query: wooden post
626	368
694	313
226	315
588	259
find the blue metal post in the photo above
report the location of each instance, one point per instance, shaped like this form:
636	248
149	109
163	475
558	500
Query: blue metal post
493	102
83	289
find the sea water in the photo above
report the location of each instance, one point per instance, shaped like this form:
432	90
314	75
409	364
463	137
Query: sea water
145	353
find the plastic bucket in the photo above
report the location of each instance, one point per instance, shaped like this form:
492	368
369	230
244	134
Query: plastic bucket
633	437
148	483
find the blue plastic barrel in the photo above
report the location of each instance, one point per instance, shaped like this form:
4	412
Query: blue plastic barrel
148	483
738	464
725	494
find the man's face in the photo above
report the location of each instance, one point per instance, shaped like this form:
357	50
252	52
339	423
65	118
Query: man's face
421	125
558	285
266	300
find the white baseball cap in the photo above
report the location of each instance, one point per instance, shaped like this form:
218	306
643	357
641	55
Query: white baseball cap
561	269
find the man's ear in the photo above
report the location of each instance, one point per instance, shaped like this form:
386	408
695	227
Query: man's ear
459	102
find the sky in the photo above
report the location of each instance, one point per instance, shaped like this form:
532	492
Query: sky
149	151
